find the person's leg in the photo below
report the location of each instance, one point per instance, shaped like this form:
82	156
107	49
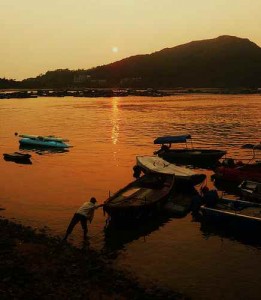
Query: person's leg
74	221
84	227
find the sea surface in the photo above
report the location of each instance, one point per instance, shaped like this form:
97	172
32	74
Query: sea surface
186	255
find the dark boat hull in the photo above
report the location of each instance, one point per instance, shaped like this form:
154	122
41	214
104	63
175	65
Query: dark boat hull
197	157
43	144
234	212
138	200
18	157
135	215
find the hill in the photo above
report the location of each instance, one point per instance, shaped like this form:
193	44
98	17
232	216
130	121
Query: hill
222	62
226	61
8	83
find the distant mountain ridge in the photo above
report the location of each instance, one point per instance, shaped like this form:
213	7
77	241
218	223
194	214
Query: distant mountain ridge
222	62
226	61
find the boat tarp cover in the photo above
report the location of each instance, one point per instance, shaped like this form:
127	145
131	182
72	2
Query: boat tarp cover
159	165
172	139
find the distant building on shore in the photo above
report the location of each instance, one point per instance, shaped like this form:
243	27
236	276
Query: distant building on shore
131	81
81	78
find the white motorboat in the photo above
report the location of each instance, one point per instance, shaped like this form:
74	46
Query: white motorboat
158	165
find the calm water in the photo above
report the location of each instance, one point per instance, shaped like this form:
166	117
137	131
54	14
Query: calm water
107	134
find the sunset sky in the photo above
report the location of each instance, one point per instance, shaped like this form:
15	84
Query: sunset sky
37	36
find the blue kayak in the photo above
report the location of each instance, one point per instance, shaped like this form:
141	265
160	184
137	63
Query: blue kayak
42	142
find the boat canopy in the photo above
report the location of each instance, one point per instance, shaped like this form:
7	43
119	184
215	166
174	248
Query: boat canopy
159	165
172	139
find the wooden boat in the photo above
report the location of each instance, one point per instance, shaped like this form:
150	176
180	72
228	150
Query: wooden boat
187	155
251	190
43	141
156	164
17	157
140	198
243	212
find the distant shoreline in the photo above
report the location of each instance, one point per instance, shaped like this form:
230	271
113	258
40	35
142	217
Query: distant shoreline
106	92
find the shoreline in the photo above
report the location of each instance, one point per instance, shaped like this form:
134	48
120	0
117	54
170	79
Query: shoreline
6	94
34	264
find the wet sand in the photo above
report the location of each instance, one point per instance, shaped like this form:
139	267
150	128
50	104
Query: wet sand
34	265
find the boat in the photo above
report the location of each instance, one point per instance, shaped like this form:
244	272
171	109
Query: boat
149	164
43	141
237	171
244	213
187	155
251	190
140	198
17	157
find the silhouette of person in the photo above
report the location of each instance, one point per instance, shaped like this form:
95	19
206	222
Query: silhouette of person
83	214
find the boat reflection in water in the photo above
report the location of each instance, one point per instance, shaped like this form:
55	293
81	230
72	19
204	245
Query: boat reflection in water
117	236
43	150
232	232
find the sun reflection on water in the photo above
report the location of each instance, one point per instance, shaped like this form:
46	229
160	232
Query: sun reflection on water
115	121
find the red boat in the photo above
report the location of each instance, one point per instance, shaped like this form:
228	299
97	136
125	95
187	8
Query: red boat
237	172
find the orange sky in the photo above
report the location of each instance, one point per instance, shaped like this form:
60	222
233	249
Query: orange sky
37	36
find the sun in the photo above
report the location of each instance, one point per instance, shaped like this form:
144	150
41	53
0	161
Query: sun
115	49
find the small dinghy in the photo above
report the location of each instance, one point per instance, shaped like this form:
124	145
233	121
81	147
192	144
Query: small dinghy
243	212
140	198
17	157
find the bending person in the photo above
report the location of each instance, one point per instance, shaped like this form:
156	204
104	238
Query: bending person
83	214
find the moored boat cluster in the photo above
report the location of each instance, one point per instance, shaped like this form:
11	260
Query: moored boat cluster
88	93
159	177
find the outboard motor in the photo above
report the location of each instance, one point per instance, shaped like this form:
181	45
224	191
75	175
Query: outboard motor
136	171
228	162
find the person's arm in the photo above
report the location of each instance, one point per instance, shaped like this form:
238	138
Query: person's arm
99	205
90	218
